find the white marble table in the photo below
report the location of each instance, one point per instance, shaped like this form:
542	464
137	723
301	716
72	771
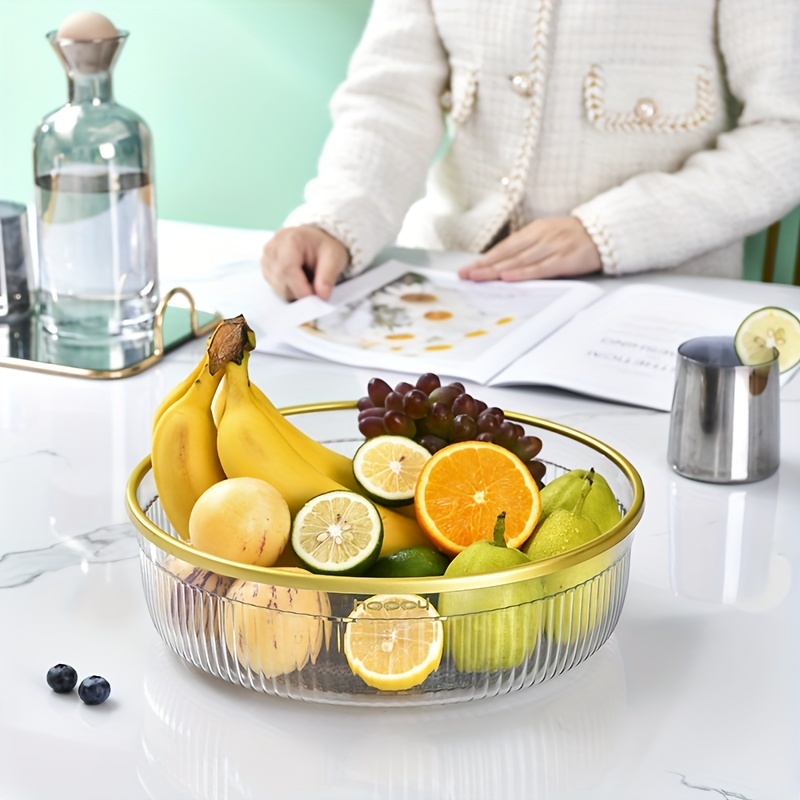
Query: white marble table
694	696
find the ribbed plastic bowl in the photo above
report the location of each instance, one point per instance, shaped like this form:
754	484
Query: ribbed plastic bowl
573	601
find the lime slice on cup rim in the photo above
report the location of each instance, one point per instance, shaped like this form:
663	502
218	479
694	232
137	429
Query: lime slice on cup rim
337	533
387	468
765	329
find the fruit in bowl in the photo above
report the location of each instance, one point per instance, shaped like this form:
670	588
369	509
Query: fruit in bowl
463	488
435	415
496	628
188	594
241	519
598	503
275	630
393	642
577	508
337	533
301	625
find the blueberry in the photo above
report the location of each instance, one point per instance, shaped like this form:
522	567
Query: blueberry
94	690
62	678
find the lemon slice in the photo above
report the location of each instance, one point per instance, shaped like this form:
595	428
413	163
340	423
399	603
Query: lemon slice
387	467
767	328
393	642
337	533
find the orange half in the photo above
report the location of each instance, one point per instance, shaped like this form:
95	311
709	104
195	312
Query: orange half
465	486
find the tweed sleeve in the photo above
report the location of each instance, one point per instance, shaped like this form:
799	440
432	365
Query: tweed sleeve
387	124
747	181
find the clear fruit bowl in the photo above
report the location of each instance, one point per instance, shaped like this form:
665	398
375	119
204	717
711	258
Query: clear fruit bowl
286	633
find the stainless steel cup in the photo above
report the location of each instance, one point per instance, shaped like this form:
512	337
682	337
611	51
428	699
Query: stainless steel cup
15	260
725	418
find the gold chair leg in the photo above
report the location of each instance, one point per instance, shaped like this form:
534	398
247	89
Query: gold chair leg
796	277
770	253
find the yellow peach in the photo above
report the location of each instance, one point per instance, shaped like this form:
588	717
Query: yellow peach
241	519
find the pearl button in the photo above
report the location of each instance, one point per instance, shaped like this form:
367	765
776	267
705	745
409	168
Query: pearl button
521	84
505	181
645	109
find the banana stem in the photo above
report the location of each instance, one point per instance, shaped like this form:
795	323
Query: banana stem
229	342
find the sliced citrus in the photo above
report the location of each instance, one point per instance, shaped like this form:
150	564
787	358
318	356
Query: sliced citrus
393	642
337	533
462	489
767	328
387	467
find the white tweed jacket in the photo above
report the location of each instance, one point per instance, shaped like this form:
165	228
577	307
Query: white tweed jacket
670	128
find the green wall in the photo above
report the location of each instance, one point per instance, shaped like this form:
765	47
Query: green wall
235	91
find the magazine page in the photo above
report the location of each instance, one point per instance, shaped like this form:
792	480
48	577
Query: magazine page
415	319
624	348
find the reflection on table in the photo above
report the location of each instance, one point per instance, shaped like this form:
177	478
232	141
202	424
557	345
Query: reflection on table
554	739
721	543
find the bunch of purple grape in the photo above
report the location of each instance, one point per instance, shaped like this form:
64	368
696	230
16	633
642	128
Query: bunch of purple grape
436	415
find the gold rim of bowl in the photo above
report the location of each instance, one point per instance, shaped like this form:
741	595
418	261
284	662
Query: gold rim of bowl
420	586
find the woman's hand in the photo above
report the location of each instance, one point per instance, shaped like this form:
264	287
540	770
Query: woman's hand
546	248
301	261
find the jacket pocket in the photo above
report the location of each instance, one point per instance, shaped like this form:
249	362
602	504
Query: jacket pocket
632	98
458	100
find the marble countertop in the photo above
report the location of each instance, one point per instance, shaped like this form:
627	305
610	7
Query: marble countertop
694	696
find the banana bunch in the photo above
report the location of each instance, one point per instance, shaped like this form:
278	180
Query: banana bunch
184	445
217	424
322	458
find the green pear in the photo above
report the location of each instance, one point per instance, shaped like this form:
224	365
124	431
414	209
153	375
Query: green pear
576	612
493	628
563	530
565	527
600	505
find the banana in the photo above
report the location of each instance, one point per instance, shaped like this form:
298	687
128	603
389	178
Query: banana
218	403
178	390
250	445
184	453
335	465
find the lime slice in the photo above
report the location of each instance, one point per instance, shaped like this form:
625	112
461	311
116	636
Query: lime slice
387	467
393	642
411	562
767	328
337	533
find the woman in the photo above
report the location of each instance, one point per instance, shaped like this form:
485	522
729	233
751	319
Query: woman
554	138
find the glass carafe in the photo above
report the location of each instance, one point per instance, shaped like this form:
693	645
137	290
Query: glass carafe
95	199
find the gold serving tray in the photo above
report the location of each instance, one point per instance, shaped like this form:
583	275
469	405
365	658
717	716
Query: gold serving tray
23	344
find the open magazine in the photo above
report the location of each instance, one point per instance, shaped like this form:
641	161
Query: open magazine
619	345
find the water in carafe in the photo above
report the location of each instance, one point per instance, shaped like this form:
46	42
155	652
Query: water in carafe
96	252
